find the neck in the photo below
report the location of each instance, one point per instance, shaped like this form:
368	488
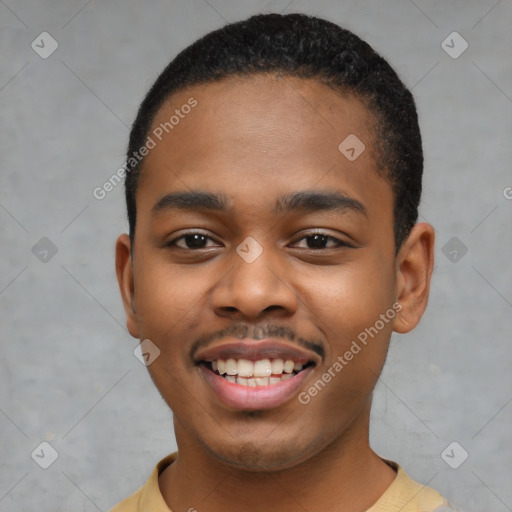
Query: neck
344	476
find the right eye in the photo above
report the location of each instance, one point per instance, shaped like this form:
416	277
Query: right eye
193	240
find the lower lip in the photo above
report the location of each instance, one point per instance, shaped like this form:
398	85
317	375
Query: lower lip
246	398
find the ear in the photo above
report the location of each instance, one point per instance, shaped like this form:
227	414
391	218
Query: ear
124	271
414	266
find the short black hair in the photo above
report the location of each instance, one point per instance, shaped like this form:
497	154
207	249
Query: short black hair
302	46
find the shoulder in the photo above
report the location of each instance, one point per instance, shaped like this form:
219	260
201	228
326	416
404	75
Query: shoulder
148	497
407	495
447	508
130	504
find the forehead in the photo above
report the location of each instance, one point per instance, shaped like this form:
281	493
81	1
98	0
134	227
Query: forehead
257	135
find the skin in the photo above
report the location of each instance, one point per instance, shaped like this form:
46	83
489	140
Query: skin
253	140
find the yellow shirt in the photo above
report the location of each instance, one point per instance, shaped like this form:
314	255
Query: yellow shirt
403	495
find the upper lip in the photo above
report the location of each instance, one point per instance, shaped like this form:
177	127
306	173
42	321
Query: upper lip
254	350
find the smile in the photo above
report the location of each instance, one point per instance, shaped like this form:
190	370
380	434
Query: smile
262	372
253	375
252	391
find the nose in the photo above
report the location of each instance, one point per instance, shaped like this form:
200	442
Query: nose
249	289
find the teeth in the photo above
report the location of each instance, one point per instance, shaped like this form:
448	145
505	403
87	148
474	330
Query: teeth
251	382
231	367
262	368
254	382
288	366
245	368
263	372
277	366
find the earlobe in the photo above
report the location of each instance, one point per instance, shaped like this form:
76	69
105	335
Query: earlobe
124	272
414	267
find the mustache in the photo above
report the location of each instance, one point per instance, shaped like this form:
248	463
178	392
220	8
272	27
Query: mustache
259	332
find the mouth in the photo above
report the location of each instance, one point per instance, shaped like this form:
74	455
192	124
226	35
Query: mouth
258	373
251	375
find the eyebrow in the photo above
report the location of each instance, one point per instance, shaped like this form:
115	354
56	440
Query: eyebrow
314	200
305	201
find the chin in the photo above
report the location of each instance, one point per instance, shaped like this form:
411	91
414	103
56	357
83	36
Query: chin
253	457
263	455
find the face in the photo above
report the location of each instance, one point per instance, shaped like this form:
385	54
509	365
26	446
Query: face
262	257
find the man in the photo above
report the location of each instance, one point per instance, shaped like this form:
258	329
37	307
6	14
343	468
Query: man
273	179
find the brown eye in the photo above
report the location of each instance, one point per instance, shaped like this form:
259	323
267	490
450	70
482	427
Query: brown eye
190	241
319	241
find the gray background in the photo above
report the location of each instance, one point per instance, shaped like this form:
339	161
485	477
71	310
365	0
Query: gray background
67	369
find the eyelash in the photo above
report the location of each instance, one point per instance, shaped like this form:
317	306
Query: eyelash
339	243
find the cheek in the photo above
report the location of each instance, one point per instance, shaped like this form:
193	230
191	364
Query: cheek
169	304
168	300
348	302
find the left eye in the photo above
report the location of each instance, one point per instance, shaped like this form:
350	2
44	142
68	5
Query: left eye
320	241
